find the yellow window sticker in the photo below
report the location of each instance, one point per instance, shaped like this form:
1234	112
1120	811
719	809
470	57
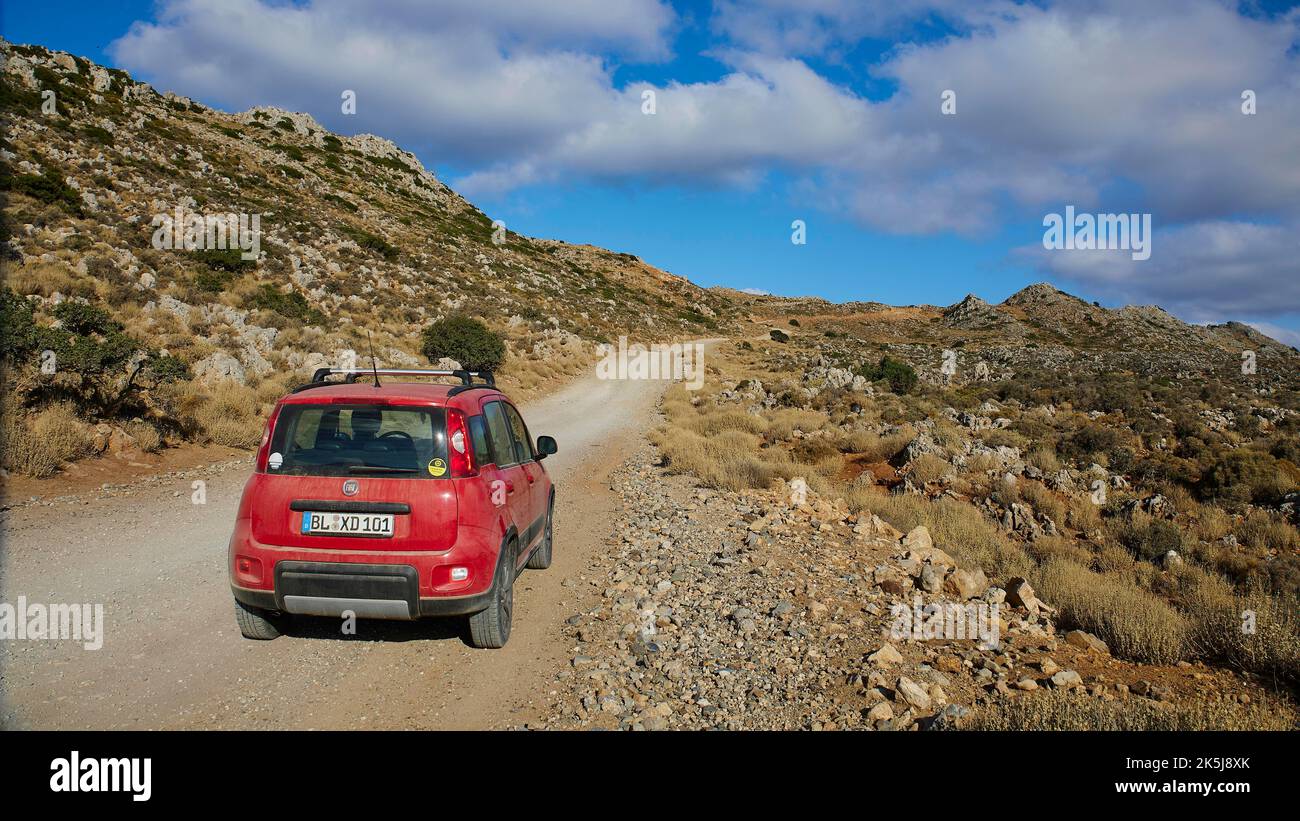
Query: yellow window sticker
437	467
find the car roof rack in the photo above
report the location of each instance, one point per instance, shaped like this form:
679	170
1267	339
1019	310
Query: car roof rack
320	378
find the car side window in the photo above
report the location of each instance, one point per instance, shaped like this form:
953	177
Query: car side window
523	446
499	437
479	438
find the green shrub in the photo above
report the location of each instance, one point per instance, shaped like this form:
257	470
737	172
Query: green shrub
19	335
98	365
290	304
48	187
293	151
465	340
900	375
1089	441
1154	539
225	259
371	242
1242	477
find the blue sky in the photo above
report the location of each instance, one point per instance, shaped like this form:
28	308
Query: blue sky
767	113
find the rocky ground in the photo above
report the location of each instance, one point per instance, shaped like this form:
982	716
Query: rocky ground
747	611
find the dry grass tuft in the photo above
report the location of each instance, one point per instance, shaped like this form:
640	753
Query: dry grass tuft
1056	710
929	468
229	416
1136	624
1221	618
729	460
39	445
146	436
957	527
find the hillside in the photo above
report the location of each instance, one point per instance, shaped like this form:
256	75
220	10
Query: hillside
356	235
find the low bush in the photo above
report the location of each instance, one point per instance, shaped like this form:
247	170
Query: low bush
1243	477
899	375
465	340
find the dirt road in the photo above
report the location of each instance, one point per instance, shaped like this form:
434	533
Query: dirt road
173	658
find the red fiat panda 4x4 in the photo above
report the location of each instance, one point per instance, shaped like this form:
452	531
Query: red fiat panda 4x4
391	501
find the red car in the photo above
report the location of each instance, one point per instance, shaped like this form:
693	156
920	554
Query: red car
393	500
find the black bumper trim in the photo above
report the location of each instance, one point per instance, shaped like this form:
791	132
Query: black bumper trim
337	506
349	580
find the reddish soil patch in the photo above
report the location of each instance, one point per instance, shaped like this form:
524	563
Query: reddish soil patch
89	474
881	472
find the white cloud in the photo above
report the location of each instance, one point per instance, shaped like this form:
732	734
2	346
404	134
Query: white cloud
1206	271
703	133
1284	335
1105	105
464	82
829	27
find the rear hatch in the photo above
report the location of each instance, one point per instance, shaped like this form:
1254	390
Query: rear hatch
347	476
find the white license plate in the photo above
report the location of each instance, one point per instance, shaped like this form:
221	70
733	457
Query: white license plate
347	524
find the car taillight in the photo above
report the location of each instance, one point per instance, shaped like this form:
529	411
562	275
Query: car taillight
459	453
264	447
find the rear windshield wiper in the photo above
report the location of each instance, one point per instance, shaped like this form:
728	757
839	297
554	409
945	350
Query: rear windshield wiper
379	469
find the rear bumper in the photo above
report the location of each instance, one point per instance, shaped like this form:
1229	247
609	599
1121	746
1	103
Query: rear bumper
446	606
370	584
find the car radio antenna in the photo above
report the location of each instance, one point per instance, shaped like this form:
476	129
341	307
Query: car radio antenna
373	364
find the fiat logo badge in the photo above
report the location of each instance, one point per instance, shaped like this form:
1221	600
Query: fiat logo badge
350	487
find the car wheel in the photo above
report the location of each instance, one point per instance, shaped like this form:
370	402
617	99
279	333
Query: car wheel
541	558
256	623
490	628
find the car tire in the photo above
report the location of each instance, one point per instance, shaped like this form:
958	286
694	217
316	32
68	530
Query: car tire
541	557
256	623
490	628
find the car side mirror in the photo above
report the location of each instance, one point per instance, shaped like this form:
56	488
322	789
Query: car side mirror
546	446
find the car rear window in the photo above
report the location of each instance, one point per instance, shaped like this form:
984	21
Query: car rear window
359	440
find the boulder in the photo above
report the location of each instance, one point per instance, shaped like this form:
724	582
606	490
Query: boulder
885	656
1021	594
894	585
931	578
219	366
965	584
918	539
913	693
1087	641
1066	679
